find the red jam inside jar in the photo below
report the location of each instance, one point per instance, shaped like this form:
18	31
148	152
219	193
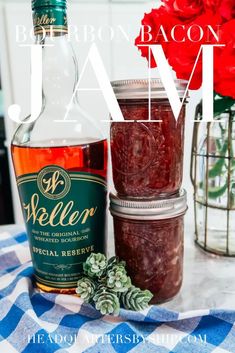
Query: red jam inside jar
149	236
147	157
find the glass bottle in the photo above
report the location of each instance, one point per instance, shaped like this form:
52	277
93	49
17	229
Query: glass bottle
60	163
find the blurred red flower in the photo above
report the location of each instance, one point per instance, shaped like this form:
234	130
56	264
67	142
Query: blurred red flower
159	21
225	61
182	56
225	8
195	21
185	9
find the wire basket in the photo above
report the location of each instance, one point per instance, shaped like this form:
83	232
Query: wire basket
213	178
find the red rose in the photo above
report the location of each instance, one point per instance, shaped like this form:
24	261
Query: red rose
185	9
182	56
225	62
155	19
225	8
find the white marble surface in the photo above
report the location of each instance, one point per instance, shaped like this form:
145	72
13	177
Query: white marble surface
209	280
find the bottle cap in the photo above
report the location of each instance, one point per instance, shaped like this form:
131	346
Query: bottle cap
153	209
49	16
37	4
139	88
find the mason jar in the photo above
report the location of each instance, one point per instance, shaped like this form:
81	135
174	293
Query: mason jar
149	236
147	149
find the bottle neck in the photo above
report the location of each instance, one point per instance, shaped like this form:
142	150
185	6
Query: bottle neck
59	69
59	64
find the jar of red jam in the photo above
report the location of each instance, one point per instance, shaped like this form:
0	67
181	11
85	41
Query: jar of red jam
149	236
147	156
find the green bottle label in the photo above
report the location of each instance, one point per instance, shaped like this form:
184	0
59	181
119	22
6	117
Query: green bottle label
65	216
50	20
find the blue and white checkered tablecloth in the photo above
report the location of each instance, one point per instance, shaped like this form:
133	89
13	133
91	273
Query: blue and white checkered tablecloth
33	322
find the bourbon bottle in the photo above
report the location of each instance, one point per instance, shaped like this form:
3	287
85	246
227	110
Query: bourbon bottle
60	162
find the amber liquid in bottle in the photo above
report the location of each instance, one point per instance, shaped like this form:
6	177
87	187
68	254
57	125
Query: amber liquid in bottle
87	158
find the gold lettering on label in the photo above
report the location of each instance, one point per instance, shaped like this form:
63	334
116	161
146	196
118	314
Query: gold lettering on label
44	20
45	252
76	252
55	212
73	218
67	209
88	212
61	215
43	217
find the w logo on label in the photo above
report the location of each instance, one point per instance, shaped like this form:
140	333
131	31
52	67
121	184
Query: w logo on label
54	182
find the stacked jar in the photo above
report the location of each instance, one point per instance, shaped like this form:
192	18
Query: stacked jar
149	205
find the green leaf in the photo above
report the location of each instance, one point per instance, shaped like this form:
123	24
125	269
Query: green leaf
221	104
216	170
222	129
215	192
231	153
218	144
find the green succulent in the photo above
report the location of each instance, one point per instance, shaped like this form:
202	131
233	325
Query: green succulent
106	285
86	288
136	299
117	279
106	301
114	260
95	265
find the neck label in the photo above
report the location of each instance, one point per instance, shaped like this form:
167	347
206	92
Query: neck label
50	20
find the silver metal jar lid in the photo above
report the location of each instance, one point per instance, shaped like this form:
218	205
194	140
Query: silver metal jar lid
139	88
149	210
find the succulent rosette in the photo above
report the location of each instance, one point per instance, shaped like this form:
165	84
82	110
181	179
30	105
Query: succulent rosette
136	299
95	265
106	301
117	279
86	288
114	260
